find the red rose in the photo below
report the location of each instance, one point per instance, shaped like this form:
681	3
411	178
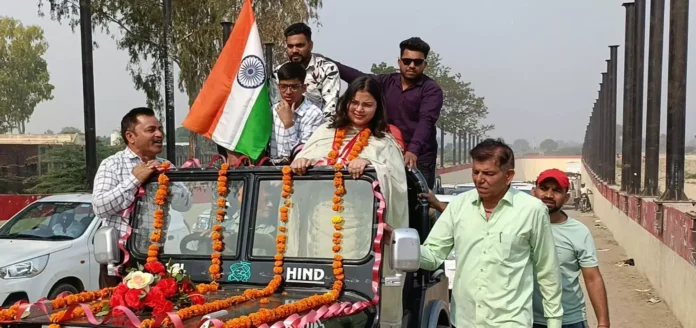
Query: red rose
187	286
168	286
162	306
116	300
133	299
155	267
154	296
197	299
121	289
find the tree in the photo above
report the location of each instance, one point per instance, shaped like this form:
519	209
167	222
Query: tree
49	131
548	145
136	26
24	77
521	145
182	134
67	170
70	130
462	110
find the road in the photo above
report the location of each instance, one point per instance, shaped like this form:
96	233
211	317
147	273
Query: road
632	300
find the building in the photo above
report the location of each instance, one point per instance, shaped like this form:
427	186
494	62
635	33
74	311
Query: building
20	156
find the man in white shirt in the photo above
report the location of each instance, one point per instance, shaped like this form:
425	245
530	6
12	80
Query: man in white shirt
295	118
322	81
120	176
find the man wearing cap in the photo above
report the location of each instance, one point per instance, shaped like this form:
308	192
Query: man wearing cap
576	253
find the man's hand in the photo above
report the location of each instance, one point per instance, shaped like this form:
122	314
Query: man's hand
433	202
410	159
286	113
299	165
357	166
142	171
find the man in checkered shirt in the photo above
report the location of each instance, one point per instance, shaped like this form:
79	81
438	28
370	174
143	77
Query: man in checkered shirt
295	118
120	176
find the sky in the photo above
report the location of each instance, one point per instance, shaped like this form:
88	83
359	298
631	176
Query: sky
537	63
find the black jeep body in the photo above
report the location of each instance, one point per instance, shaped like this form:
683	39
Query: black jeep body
251	244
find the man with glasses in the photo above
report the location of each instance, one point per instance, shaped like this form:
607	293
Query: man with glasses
414	101
295	118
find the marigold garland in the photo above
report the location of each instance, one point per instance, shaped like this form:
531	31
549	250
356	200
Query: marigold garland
158	216
265	316
216	235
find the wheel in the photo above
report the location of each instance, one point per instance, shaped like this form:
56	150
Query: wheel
62	288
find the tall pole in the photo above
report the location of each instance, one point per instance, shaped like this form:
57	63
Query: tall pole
654	103
613	77
226	31
627	132
601	168
676	98
169	81
639	81
88	91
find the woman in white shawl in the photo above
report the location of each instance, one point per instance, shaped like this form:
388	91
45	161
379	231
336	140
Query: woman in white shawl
363	107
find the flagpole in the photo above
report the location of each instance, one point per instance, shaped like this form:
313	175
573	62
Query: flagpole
169	82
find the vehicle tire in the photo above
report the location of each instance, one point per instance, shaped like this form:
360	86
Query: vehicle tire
62	288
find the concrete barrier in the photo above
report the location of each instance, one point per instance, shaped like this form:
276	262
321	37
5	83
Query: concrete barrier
527	168
660	237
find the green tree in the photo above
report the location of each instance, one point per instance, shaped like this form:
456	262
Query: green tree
548	145
182	134
24	77
66	169
521	145
70	130
136	26
461	109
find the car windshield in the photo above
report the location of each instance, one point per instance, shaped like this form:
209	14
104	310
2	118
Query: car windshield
49	221
309	229
187	229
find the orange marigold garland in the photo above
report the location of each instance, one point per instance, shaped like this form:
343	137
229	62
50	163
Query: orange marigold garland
158	216
216	235
265	316
281	238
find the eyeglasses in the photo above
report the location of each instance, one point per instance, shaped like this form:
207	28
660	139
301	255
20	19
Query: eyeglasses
293	87
408	61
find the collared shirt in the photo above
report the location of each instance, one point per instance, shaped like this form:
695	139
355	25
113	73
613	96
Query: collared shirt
323	84
115	189
494	280
414	110
576	250
308	118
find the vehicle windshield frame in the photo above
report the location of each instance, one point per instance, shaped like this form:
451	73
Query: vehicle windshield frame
316	175
12	222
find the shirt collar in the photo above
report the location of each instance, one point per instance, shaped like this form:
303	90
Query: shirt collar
302	109
312	62
128	153
507	198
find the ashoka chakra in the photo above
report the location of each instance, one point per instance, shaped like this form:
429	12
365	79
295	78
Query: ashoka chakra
252	72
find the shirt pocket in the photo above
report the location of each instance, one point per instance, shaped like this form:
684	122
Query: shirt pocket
508	248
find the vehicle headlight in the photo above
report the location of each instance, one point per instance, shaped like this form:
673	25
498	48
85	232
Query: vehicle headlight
24	269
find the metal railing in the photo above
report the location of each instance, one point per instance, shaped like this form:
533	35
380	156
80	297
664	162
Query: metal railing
599	149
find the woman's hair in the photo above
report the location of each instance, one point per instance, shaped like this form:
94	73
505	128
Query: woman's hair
378	124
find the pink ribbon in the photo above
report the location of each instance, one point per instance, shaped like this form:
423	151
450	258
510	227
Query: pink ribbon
346	308
195	162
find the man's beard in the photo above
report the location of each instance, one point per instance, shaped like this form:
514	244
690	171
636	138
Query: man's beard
554	209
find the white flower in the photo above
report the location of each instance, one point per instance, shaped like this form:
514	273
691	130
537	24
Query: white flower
174	270
139	280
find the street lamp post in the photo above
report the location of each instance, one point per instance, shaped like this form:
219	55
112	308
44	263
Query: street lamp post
88	91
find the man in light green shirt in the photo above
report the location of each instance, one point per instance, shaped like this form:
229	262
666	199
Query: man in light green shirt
499	235
576	253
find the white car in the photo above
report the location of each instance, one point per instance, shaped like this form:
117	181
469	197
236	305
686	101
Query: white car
47	248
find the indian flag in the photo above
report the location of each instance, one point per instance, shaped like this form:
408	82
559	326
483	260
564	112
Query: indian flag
233	108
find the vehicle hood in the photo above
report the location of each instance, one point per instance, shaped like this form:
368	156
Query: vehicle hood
17	250
360	319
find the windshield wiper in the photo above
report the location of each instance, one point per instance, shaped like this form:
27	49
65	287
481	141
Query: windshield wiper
34	237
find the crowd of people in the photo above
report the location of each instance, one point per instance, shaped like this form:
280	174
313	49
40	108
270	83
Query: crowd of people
519	257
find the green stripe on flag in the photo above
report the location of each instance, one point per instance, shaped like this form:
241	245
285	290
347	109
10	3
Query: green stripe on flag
257	129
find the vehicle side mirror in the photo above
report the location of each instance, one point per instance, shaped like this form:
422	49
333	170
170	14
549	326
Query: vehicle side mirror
405	250
106	245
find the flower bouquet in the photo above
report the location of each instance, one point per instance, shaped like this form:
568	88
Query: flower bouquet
155	288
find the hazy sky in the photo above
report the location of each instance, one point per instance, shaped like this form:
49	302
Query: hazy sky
537	63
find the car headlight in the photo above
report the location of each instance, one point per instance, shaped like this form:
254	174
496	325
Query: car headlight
24	269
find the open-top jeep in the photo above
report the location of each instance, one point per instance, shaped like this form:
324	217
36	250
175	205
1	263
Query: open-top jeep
371	296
